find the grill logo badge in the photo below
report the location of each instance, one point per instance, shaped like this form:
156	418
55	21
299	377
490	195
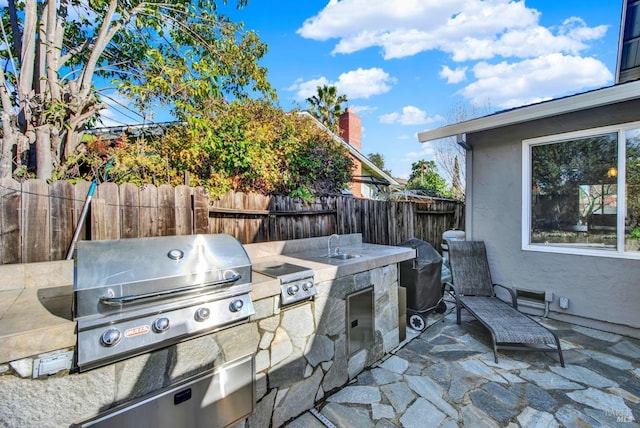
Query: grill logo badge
137	331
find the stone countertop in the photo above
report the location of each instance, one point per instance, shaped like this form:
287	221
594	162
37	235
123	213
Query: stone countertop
370	256
36	298
35	309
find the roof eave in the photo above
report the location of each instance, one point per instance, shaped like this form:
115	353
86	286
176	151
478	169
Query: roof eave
583	101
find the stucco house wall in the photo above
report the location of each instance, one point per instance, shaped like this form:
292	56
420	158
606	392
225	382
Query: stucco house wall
603	292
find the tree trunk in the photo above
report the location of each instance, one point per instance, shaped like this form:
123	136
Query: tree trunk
72	140
8	142
44	163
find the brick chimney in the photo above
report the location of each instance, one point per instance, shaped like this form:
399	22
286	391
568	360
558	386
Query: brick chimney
351	128
351	131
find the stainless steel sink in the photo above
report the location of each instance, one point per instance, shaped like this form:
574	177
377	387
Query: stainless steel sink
344	256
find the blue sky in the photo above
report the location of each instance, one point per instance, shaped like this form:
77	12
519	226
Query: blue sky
406	64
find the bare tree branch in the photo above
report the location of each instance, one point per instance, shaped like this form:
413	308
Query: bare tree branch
103	38
15	27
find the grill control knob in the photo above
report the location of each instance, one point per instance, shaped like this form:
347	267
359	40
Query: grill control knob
292	290
236	305
202	314
161	324
175	254
306	286
111	337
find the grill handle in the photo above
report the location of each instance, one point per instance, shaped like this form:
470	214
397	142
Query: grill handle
123	300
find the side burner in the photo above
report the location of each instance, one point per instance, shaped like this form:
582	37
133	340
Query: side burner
296	282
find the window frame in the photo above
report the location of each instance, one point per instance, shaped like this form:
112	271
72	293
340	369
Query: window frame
618	251
629	39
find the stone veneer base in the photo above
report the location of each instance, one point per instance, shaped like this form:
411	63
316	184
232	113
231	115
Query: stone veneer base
301	355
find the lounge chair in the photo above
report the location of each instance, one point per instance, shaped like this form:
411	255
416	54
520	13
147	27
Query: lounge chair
473	290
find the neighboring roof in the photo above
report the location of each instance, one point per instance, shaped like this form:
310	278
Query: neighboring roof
401	181
370	166
583	101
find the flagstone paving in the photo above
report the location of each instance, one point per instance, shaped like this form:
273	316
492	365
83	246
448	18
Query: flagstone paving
446	377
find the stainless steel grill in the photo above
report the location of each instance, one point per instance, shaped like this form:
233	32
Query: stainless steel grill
135	295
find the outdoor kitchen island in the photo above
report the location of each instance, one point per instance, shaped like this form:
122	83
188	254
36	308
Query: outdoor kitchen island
300	351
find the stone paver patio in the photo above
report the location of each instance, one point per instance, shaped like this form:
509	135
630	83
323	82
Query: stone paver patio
446	377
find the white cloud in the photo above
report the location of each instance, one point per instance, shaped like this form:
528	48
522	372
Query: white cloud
355	84
119	110
466	29
533	80
454	76
389	118
410	115
427	152
364	83
309	88
526	42
576	28
106	119
362	109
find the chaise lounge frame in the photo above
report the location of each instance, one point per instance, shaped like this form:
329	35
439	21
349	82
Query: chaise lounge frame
474	290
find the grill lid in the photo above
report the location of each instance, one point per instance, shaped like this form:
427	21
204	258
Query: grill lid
116	272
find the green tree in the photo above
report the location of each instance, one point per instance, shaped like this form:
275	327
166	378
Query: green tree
425	178
246	146
326	106
56	53
252	145
378	160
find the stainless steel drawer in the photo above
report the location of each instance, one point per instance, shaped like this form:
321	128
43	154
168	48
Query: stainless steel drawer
215	398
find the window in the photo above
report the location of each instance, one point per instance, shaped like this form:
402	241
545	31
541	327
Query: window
582	192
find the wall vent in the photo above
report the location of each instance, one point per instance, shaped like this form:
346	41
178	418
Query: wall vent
530	298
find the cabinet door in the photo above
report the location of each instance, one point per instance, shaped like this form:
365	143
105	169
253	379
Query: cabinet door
360	320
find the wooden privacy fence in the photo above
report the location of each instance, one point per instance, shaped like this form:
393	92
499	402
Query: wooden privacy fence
38	220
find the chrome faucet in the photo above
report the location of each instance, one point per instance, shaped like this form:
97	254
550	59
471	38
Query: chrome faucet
337	250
